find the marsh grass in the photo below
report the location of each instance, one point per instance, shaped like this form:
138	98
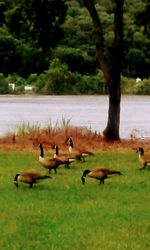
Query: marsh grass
27	137
62	214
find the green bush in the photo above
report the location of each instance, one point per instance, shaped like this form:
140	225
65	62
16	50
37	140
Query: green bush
130	86
19	82
39	84
4	88
142	87
91	84
127	85
19	90
58	79
32	79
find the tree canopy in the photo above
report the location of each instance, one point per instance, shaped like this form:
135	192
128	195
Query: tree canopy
34	33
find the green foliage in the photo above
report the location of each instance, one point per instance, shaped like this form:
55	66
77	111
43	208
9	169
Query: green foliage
77	27
41	20
76	59
33	33
4	88
32	79
58	79
14	21
16	79
8	52
55	79
33	57
19	82
60	213
137	63
136	40
142	87
39	84
91	84
19	58
2	12
130	86
127	85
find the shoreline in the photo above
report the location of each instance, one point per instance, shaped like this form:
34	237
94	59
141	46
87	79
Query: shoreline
82	137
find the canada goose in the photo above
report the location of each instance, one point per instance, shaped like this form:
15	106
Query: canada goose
49	163
30	177
143	158
80	155
99	174
63	157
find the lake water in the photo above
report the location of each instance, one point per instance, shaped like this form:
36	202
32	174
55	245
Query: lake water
89	111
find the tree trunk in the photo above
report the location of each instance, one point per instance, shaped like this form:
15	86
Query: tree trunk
111	131
112	73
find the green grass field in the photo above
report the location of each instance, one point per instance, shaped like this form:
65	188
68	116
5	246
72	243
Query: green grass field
61	213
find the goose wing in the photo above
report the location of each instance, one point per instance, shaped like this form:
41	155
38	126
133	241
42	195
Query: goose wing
106	171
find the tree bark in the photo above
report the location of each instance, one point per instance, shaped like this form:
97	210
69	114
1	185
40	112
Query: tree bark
111	131
112	73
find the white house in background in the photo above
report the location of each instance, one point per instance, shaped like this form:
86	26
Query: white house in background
28	88
11	85
138	79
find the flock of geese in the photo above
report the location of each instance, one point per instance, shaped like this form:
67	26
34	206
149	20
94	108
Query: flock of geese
33	176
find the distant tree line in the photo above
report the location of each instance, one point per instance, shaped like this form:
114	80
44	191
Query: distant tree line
49	45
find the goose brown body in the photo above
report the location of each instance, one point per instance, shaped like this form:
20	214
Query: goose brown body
79	154
30	177
66	158
99	174
144	159
49	163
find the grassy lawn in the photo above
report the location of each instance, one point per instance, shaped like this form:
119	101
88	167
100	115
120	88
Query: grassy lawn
61	213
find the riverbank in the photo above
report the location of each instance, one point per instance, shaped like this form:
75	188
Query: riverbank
83	138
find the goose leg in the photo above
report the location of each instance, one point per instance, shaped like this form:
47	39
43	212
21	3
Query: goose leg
83	158
31	184
67	165
101	181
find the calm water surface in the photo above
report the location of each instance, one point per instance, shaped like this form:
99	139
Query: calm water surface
89	111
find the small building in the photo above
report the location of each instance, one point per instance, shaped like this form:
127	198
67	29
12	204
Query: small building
138	79
28	88
12	86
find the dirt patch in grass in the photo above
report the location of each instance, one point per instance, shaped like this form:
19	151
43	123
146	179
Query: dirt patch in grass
83	138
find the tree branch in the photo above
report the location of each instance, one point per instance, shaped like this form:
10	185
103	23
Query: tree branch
98	30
